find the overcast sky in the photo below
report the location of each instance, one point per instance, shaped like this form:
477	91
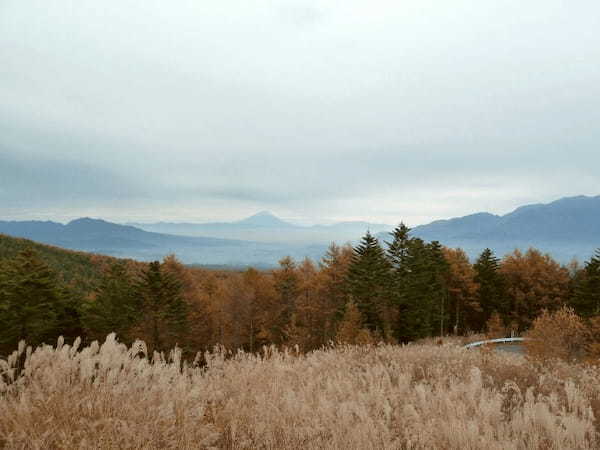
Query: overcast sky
316	110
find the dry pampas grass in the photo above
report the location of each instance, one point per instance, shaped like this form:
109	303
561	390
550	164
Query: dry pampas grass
348	397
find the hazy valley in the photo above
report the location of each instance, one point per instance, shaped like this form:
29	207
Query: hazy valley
568	229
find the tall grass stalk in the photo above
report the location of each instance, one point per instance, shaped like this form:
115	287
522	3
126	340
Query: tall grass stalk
347	397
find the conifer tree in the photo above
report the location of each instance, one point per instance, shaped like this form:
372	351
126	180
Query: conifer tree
423	308
438	290
351	330
535	282
333	290
162	309
586	300
333	268
257	308
29	300
491	292
398	249
113	307
399	255
463	306
369	283
287	288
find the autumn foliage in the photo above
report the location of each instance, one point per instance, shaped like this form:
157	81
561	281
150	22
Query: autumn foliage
397	291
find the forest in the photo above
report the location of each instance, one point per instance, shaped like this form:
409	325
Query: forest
396	291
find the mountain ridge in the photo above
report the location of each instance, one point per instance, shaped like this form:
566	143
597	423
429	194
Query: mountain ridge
126	241
566	228
266	227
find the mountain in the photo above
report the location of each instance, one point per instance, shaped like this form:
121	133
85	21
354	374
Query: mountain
567	228
99	236
263	219
266	227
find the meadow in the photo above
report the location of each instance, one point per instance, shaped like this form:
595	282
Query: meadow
352	397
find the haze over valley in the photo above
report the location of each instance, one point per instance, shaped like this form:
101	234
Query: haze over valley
567	229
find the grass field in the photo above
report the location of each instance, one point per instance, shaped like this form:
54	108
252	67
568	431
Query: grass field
382	397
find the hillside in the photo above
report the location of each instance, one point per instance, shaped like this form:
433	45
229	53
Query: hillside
567	228
78	269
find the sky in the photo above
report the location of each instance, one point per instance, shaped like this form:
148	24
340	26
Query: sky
319	111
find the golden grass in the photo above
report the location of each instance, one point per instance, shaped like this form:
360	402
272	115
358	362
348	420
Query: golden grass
372	397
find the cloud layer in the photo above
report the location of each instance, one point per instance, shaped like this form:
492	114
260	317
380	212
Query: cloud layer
326	110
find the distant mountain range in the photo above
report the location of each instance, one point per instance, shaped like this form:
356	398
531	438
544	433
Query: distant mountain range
567	228
266	227
99	236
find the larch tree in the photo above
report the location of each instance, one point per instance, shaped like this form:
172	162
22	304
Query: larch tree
286	283
535	282
351	330
463	304
310	310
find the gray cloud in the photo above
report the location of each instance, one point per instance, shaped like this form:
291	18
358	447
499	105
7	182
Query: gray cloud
319	110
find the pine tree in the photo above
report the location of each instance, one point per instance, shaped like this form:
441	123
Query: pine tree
491	292
438	291
369	284
162	309
29	300
113	307
586	300
423	307
398	249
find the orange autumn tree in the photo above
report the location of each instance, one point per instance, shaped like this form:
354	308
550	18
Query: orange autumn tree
257	308
535	282
333	270
462	290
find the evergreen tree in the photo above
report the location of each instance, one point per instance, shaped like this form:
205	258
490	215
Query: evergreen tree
399	255
491	293
398	249
423	306
369	284
69	314
586	300
162	310
438	291
113	308
29	299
